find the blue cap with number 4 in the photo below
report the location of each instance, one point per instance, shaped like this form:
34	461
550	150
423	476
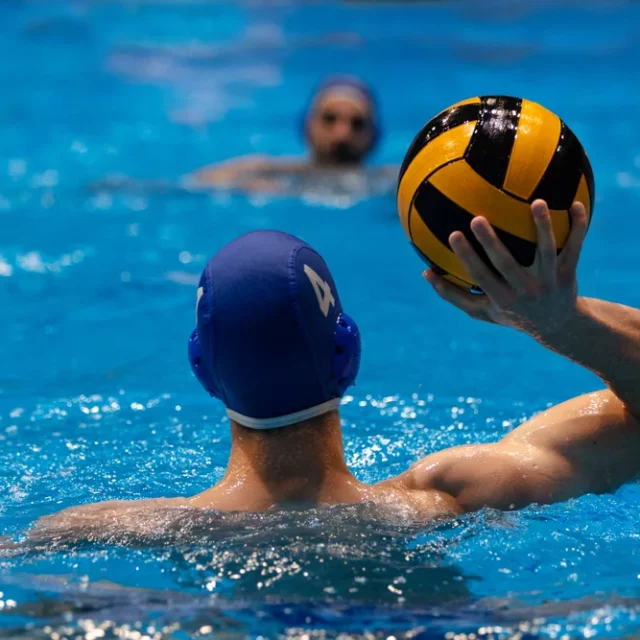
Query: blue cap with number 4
271	340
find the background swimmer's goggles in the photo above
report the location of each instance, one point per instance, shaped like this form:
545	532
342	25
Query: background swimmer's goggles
345	81
357	123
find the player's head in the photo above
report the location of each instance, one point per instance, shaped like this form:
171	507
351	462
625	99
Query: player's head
341	122
271	340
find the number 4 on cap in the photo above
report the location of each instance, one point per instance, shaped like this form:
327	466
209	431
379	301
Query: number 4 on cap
200	294
322	289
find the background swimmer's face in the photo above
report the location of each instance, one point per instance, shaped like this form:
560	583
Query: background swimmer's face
340	130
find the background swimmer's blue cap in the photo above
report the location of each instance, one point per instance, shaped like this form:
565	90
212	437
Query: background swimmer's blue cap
354	83
271	339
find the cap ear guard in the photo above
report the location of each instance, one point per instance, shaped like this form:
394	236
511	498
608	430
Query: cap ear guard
198	366
346	361
197	359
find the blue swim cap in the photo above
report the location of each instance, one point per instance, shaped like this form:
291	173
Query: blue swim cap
355	84
271	339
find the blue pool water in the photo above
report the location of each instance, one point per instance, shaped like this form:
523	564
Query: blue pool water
96	399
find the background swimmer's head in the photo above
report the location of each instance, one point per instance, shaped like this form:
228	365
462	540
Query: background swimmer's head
341	124
271	339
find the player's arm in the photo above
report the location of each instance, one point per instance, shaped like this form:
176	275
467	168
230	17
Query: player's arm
605	338
543	301
589	444
130	521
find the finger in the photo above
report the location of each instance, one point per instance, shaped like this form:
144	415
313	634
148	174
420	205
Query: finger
570	254
476	306
546	254
500	256
477	269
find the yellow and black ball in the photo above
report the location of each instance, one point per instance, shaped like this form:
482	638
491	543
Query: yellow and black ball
490	156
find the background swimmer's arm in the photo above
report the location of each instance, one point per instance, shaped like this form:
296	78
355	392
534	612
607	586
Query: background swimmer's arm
248	173
388	170
226	173
7	544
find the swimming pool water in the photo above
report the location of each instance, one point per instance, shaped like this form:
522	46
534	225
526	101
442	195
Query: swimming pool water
97	301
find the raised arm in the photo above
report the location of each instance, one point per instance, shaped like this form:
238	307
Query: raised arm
589	444
543	301
605	338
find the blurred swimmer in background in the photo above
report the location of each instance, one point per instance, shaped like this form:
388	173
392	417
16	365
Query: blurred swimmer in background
341	127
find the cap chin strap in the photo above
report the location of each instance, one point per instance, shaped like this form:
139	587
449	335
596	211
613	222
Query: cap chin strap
284	421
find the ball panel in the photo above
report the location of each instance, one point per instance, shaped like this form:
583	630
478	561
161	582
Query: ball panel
441	272
534	147
443	216
587	173
492	143
463	187
582	195
449	146
467	111
560	182
462	103
511	152
434	252
469	286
